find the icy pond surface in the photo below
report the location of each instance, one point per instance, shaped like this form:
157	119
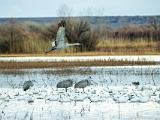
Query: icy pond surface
112	96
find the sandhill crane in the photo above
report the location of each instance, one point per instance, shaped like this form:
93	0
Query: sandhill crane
136	84
65	84
83	84
27	85
60	42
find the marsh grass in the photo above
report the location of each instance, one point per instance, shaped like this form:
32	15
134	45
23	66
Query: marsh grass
63	64
15	72
104	47
126	43
69	71
128	47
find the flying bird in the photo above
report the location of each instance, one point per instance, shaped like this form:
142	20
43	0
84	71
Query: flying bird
60	42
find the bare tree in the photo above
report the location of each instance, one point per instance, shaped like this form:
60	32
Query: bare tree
64	11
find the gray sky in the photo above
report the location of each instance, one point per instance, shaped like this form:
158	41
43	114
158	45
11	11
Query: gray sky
50	8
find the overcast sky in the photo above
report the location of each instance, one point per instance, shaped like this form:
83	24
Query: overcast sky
50	8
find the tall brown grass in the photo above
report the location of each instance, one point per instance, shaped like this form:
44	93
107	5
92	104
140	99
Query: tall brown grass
24	65
138	46
35	38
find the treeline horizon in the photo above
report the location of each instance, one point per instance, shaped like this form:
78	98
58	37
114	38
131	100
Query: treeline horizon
32	37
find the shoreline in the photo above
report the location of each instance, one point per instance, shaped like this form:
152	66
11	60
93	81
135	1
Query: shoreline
24	62
154	58
59	54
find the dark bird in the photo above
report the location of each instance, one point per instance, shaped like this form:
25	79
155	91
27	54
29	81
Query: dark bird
83	84
27	85
65	84
135	83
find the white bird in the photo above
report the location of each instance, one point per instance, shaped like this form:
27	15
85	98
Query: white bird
60	42
54	97
80	96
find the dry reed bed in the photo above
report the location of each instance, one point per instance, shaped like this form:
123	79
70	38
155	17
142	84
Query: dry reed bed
105	47
61	64
128	47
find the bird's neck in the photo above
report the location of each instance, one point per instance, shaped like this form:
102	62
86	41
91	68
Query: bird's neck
72	44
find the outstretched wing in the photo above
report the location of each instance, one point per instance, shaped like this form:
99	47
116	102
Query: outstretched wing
60	38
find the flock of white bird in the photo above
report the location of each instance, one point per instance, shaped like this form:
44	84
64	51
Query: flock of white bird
118	94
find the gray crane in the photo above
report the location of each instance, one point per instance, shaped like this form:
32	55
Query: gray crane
60	42
82	84
65	84
27	85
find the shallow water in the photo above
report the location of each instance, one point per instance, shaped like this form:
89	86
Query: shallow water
101	75
12	80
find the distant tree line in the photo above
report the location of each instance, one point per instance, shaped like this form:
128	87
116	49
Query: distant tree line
149	31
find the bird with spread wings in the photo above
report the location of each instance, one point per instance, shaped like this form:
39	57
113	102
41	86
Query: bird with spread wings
60	42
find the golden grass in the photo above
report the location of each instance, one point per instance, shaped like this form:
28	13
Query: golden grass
106	47
128	47
126	43
24	65
120	52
